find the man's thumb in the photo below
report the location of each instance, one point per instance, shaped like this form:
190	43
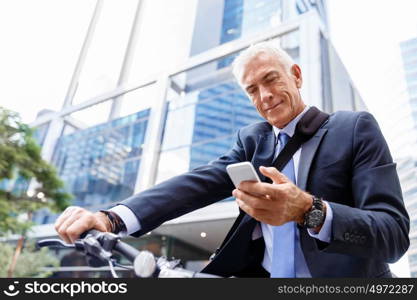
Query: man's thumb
275	175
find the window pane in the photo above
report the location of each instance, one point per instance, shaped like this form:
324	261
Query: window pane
91	116
138	100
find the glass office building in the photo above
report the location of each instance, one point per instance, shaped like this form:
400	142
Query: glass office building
119	133
409	57
99	164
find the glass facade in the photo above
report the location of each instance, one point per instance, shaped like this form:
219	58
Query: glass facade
222	21
244	17
203	119
303	6
99	164
201	126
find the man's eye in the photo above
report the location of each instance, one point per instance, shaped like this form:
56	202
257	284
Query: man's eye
271	79
251	91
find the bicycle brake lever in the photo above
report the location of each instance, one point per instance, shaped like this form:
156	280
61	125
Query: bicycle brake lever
53	243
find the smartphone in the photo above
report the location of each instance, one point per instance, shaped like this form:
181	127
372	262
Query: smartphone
243	171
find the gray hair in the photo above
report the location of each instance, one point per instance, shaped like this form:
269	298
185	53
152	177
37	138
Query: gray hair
263	47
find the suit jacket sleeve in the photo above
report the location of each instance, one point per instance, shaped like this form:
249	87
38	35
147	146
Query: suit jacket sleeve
378	226
185	193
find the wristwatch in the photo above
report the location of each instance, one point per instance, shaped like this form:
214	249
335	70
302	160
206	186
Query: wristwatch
315	216
116	223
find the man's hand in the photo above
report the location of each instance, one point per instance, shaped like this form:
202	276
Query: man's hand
76	220
273	204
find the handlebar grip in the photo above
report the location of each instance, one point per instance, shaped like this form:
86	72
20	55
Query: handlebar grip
126	250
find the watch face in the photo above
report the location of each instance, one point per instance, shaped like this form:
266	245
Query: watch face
315	218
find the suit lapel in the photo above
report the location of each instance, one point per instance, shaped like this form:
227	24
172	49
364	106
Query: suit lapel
235	245
264	153
263	156
308	151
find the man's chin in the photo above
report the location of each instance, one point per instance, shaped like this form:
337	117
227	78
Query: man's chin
277	124
278	121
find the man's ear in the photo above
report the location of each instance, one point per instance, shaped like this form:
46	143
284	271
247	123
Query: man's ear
296	72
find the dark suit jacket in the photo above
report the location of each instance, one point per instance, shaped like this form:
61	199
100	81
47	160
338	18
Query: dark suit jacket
347	163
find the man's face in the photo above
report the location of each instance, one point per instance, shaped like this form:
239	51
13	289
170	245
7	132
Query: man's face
273	91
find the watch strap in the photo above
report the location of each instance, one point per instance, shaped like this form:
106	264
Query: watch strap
317	204
116	223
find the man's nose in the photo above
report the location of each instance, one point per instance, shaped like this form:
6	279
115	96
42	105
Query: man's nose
265	94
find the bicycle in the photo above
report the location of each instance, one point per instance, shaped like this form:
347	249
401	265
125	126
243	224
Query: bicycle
99	246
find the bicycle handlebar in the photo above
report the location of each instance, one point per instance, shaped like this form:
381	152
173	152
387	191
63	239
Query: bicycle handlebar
126	250
99	246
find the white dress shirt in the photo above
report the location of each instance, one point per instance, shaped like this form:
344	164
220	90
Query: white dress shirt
301	269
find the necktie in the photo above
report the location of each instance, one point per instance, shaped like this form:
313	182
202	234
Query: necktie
283	248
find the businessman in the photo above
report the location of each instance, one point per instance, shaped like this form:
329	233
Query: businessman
334	210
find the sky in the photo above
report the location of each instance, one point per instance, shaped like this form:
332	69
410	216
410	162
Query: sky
366	34
37	56
40	42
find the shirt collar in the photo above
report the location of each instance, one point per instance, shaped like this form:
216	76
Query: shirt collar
289	129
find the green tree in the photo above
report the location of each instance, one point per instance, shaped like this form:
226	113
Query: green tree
29	264
20	158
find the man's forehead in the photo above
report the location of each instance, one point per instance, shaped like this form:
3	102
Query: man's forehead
260	65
